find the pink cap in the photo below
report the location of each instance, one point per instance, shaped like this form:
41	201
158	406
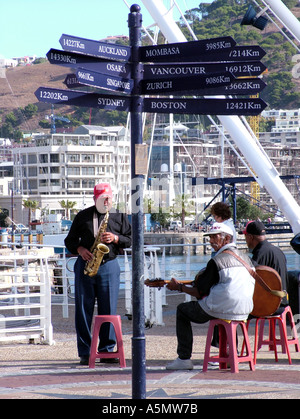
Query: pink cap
103	190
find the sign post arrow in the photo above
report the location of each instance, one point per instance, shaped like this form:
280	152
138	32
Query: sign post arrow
79	98
149	87
243	86
184	51
104	81
240	69
96	48
237	53
205	106
71	59
71	81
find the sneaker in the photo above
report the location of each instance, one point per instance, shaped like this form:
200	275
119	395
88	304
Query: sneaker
180	364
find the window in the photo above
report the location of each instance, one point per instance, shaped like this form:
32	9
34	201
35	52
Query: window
54	158
74	171
74	158
88	171
54	169
88	158
32	171
32	159
44	158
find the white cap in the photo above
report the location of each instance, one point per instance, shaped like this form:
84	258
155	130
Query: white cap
219	228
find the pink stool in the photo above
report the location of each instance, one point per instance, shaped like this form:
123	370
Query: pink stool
116	322
227	333
284	341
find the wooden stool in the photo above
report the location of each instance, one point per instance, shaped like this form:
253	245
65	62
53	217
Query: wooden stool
116	322
284	341
227	333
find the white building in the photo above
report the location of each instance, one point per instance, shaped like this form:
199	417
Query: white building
67	167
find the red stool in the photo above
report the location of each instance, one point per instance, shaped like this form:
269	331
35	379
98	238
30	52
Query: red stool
98	321
284	341
227	333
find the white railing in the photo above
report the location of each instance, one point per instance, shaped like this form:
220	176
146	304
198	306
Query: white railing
25	298
60	280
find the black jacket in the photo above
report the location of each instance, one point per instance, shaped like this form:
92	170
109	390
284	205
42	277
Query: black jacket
82	233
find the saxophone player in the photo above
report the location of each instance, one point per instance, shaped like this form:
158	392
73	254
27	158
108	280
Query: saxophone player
102	223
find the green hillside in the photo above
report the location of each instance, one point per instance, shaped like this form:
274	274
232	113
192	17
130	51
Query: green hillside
223	18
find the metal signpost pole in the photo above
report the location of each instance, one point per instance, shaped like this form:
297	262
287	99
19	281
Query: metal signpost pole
138	338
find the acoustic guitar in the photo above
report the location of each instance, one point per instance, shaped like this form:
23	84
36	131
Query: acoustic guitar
265	299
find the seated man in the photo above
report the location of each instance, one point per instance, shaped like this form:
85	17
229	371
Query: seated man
265	253
224	290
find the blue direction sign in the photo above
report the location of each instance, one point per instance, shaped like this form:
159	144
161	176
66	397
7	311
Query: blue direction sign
96	48
238	53
205	106
71	81
184	51
240	69
172	85
71	59
104	81
79	98
238	87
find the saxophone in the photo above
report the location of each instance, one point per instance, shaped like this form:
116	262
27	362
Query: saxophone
98	249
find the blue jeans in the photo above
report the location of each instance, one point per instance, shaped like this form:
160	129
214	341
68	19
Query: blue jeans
105	288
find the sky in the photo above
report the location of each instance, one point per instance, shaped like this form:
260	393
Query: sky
32	27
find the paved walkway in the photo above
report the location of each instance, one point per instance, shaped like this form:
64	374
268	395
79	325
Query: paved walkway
53	372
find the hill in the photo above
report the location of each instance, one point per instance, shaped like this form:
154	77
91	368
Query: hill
220	18
17	90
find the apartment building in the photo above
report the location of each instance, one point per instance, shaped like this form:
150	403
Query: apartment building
67	167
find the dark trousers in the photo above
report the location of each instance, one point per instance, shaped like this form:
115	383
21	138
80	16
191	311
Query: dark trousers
187	313
104	287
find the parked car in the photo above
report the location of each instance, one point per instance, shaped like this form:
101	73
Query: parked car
175	225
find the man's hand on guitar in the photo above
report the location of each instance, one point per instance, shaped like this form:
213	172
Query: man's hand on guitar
174	285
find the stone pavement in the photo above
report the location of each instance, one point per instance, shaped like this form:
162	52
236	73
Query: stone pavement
39	371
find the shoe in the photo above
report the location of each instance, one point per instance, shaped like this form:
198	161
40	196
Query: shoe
84	360
180	364
109	360
213	364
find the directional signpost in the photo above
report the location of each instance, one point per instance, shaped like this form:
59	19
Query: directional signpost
79	98
200	68
240	69
71	81
104	81
98	49
184	84
74	60
205	106
184	51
